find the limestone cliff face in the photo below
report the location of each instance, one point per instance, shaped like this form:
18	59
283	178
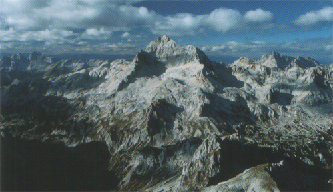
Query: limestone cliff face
174	120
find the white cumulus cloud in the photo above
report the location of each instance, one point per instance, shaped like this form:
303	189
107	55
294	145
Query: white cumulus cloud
126	34
221	19
224	19
217	47
314	17
258	15
93	33
180	24
329	47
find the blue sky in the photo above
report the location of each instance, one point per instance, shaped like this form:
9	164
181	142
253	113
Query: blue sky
222	29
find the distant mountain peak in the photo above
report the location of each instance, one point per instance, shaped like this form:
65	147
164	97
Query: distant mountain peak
17	55
275	61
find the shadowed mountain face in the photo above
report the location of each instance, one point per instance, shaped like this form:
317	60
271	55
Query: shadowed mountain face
170	119
36	166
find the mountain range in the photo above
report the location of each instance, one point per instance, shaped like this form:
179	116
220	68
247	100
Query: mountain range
168	120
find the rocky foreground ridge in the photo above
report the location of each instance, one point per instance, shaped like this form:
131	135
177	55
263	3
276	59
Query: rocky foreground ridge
173	120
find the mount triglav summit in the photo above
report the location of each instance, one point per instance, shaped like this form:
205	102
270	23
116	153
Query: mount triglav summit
169	120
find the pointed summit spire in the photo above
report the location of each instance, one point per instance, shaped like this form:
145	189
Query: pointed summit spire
274	55
163	42
165	38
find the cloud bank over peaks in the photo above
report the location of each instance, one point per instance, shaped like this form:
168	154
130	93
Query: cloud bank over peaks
71	14
221	19
100	18
44	35
315	17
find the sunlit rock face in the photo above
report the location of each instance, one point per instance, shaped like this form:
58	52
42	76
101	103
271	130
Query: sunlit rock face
172	120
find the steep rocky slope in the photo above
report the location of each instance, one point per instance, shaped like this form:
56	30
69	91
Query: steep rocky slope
173	120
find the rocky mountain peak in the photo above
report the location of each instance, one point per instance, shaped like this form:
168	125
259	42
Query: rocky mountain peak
304	62
274	60
17	56
5	61
274	54
16	61
170	53
161	44
36	56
